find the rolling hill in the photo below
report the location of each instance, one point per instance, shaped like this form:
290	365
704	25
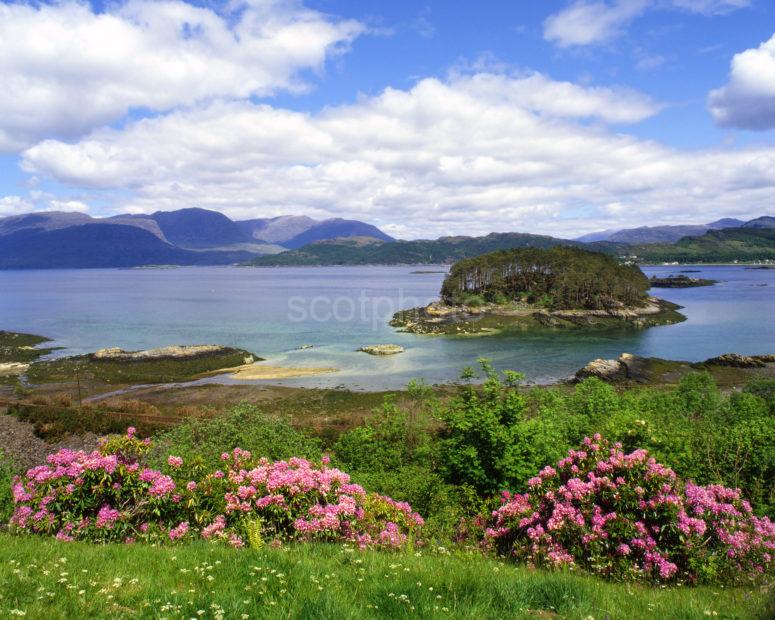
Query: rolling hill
715	246
100	245
367	250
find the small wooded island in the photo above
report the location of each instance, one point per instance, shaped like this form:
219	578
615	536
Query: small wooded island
531	287
680	281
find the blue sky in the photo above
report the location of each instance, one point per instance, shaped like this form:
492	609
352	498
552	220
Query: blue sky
430	118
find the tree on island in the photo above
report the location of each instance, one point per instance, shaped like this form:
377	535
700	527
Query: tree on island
558	278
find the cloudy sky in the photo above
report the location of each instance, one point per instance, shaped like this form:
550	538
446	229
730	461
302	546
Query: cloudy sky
425	118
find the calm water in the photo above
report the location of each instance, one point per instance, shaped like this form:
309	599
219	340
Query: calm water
338	309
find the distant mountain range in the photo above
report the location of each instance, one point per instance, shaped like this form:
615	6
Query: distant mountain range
659	234
200	237
184	237
366	250
754	240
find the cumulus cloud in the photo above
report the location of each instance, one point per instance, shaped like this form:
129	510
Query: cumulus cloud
78	69
747	101
587	22
466	155
14	205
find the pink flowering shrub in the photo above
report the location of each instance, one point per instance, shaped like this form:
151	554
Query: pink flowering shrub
108	495
626	516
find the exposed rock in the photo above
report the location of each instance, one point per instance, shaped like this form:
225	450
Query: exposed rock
439	318
735	360
382	349
607	370
171	352
13	368
637	368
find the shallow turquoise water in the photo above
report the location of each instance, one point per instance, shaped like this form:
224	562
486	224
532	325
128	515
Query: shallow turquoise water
271	311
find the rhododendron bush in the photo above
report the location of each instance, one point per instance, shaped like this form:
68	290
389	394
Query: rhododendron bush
109	495
626	516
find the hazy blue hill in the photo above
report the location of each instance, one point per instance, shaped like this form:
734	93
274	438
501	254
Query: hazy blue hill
277	229
659	234
46	220
293	231
199	228
99	245
336	228
766	221
363	251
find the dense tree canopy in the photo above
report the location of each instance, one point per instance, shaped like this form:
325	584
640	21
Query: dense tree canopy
559	277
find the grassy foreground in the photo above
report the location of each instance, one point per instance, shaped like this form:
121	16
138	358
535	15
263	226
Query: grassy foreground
47	579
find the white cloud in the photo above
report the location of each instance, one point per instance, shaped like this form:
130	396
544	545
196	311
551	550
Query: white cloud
72	206
14	205
588	22
711	7
584	22
747	100
469	155
78	69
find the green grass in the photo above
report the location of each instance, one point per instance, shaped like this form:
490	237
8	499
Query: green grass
51	580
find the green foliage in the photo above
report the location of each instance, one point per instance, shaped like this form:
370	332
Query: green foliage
488	442
727	245
559	277
202	441
446	457
7	472
53	422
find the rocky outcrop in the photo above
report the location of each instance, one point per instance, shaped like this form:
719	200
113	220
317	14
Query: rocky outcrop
439	318
607	370
382	349
13	368
175	352
728	369
735	360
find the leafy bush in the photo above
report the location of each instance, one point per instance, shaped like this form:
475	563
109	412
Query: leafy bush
488	441
202	441
109	496
626	516
6	476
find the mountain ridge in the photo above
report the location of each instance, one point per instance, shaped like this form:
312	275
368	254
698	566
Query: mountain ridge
659	234
171	236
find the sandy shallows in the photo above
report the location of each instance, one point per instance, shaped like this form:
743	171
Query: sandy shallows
258	371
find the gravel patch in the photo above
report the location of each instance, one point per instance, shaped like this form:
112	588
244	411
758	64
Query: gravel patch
19	442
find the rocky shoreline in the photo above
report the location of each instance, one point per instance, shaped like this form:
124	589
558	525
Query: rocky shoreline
629	368
439	318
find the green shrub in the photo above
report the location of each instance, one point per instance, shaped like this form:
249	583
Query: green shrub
7	471
202	441
54	422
